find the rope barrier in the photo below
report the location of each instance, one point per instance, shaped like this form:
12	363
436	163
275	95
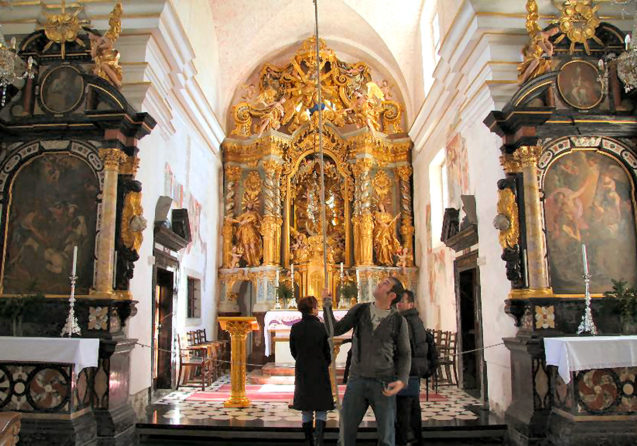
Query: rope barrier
223	361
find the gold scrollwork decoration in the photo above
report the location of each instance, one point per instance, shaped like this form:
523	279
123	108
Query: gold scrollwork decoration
133	221
63	27
287	97
507	221
381	184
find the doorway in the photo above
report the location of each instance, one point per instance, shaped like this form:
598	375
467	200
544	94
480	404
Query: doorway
471	365
162	330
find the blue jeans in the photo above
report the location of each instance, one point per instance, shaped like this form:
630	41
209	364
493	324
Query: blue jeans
307	416
359	395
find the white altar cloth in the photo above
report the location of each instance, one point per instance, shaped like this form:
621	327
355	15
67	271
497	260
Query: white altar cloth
591	352
80	352
283	320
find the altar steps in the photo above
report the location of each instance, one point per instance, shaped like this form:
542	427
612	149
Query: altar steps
280	374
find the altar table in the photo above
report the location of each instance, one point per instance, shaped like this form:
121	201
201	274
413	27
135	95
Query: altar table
282	320
80	352
571	354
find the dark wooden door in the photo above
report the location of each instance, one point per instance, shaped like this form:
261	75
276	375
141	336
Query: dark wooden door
162	329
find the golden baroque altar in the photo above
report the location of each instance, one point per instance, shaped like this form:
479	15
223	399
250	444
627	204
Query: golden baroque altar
272	229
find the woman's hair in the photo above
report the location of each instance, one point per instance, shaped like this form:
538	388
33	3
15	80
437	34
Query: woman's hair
410	296
307	304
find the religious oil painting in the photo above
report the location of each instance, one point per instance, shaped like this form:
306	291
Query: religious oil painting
62	89
589	200
579	84
53	208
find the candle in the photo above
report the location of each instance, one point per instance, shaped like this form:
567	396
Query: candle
341	271
115	269
358	279
74	260
276	280
292	272
584	259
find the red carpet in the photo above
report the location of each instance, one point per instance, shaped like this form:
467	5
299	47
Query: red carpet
273	392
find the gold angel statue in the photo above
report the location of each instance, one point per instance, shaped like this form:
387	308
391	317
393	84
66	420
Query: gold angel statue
386	244
537	54
248	235
105	57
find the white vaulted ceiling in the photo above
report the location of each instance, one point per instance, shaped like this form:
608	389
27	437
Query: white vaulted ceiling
383	34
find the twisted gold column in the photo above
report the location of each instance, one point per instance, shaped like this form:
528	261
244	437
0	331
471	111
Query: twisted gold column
232	174
238	327
535	242
407	227
106	237
271	223
362	220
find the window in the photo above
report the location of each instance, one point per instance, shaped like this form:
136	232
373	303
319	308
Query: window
439	193
194	298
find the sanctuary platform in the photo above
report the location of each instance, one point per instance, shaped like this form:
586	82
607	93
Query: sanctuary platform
190	416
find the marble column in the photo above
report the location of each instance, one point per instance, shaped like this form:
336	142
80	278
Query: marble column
232	175
112	158
407	226
271	223
238	327
362	219
535	241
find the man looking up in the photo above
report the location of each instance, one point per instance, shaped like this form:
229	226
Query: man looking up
381	360
408	416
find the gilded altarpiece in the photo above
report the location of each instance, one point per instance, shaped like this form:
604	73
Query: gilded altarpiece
272	230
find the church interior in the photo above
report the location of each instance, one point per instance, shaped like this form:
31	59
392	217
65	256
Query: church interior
238	156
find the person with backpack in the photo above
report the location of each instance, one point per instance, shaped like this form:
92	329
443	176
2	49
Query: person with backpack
381	360
312	387
408	416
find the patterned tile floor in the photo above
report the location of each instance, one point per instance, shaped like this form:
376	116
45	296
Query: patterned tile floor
177	410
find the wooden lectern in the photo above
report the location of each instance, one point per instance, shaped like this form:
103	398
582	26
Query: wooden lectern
238	327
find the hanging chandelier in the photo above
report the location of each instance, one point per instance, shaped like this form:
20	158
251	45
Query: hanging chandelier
12	67
627	61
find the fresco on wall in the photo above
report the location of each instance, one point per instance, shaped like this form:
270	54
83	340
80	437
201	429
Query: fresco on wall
589	201
457	169
184	199
53	208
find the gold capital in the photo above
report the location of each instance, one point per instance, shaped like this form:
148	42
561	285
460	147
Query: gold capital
233	173
112	158
130	166
527	155
404	172
510	164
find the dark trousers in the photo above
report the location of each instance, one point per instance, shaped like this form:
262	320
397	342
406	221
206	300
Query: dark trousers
408	420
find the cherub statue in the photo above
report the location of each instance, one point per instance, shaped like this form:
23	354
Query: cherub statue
272	111
236	255
404	258
300	247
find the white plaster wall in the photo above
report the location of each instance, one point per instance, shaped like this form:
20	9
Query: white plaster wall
182	150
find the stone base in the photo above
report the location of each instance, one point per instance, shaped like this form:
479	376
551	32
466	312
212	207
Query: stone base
523	430
116	427
80	431
565	430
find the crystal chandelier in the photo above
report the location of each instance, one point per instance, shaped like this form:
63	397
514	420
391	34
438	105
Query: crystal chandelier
627	61
12	67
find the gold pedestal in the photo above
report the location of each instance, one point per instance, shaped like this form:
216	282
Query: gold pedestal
238	327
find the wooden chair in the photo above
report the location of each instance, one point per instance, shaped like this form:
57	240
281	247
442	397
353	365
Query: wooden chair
192	359
447	372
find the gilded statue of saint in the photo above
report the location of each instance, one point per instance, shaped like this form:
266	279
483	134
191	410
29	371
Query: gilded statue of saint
248	235
386	244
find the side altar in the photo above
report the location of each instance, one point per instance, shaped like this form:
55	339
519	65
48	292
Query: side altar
272	229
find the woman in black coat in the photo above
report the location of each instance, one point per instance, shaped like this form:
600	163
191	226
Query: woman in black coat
312	387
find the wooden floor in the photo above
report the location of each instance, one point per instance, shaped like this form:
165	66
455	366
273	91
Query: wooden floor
174	420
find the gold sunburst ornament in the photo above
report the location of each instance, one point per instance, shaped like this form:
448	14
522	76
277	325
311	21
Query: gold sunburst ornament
578	22
63	27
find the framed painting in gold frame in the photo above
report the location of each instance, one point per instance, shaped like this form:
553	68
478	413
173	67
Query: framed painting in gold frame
578	82
62	89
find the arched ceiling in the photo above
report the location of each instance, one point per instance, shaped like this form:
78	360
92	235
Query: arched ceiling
251	33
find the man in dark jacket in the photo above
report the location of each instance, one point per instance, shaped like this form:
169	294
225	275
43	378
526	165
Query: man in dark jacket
381	359
408	416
